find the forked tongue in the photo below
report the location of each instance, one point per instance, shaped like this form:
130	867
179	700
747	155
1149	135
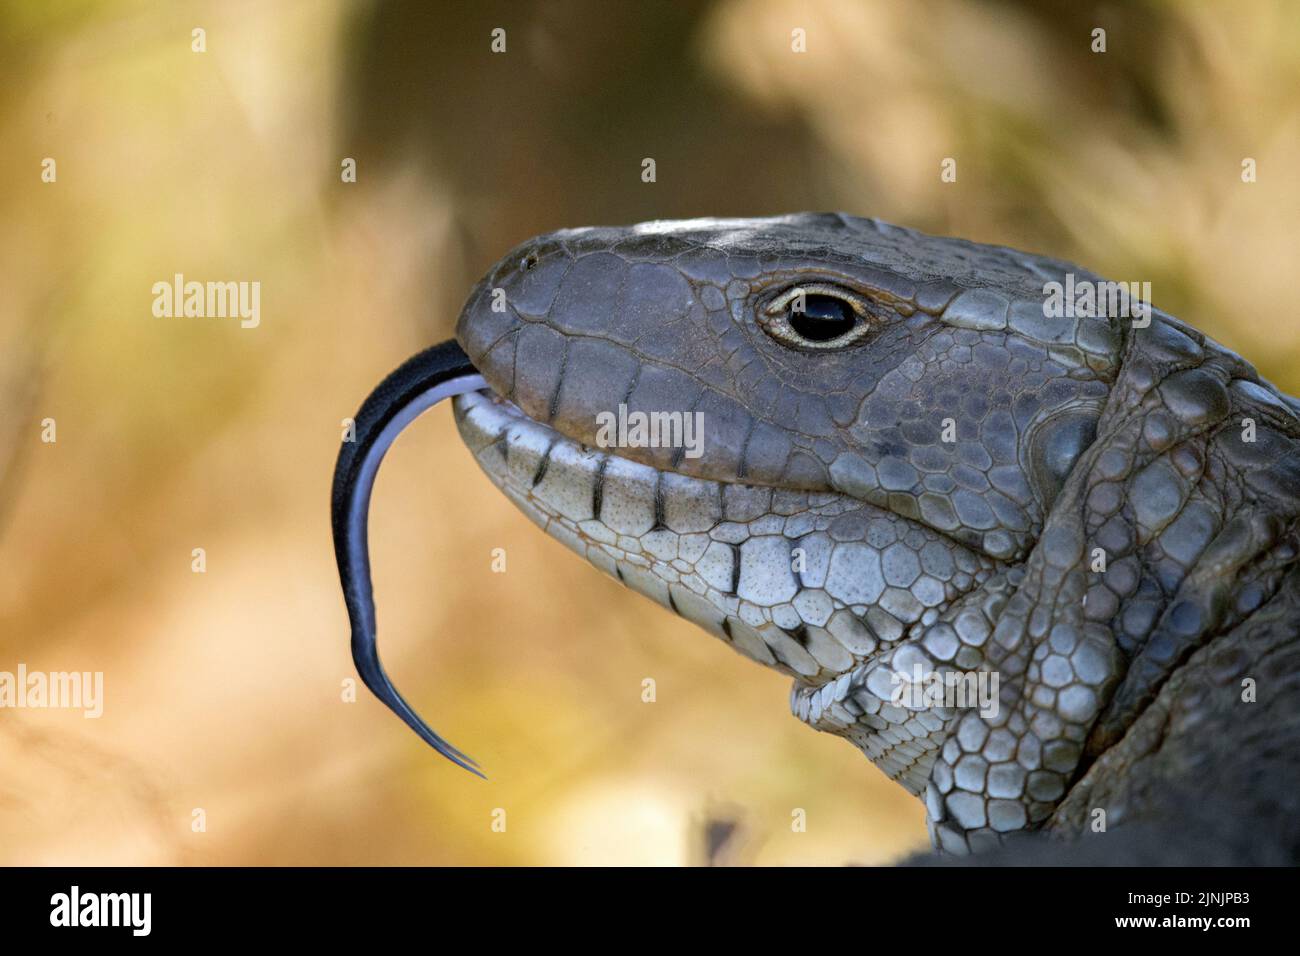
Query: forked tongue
421	382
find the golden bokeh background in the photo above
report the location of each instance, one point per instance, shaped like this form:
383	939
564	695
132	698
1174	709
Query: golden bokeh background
224	690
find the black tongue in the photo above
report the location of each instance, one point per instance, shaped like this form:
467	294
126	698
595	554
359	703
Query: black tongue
421	382
422	371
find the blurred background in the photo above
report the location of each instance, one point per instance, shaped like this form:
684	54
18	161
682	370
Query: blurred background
224	690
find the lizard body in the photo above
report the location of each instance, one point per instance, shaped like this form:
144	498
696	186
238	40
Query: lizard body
910	466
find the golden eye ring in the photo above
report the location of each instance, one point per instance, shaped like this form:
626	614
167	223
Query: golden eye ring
817	316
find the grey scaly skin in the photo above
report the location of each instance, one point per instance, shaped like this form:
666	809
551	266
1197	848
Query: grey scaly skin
922	470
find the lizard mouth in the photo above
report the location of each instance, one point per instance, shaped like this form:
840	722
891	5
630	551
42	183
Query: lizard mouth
813	584
841	594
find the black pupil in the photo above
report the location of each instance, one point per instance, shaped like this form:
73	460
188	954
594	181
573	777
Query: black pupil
823	318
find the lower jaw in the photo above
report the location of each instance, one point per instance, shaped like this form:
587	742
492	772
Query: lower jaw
817	585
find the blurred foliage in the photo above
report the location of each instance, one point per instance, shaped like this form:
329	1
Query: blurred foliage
224	689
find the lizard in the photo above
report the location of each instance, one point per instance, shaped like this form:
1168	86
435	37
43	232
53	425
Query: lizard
912	463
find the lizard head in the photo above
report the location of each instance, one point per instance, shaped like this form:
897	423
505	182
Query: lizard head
1018	544
829	441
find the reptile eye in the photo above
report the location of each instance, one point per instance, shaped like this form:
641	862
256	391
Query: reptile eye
823	318
816	316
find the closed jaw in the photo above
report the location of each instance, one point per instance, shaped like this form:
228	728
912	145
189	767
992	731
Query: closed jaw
833	591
